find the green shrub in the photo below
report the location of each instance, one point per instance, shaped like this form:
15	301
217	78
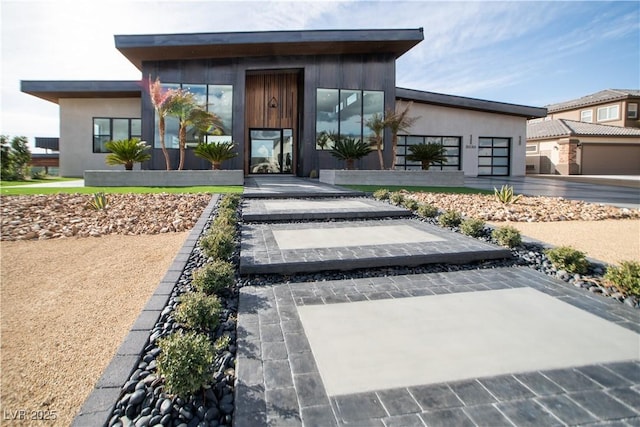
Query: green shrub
472	227
427	211
218	243
625	277
450	219
185	361
507	236
222	343
98	202
505	195
198	311
214	277
396	198
230	201
381	194
568	259
225	217
410	204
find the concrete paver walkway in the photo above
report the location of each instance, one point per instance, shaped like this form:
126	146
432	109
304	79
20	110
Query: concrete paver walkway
491	347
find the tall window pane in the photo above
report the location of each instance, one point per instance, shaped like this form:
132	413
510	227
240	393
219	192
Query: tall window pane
350	110
220	102
101	134
120	129
372	104
136	128
327	113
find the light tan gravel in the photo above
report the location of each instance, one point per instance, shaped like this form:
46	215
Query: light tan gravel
66	304
610	240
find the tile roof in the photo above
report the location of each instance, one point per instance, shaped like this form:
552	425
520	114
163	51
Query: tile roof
563	127
601	97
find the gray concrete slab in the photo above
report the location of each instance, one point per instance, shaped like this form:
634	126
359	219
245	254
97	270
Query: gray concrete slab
599	393
377	243
286	186
593	191
256	210
530	330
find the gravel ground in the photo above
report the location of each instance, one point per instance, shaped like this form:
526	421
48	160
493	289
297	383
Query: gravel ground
66	305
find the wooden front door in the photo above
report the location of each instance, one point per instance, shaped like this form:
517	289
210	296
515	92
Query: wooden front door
271	102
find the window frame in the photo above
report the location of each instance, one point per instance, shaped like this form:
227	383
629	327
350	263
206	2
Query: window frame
402	162
110	134
582	116
608	109
493	147
632	110
535	148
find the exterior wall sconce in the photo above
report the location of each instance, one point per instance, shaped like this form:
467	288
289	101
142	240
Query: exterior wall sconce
273	102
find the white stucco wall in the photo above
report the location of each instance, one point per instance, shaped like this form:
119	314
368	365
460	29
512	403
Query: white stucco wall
470	125
76	131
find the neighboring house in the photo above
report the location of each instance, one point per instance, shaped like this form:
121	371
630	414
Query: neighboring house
279	94
598	134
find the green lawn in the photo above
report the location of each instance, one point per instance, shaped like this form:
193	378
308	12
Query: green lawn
26	190
453	190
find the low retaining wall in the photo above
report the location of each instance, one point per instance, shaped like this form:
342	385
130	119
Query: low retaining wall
149	178
388	177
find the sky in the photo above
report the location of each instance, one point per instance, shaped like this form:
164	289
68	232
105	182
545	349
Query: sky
522	52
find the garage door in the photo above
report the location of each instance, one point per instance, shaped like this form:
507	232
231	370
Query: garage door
610	159
493	156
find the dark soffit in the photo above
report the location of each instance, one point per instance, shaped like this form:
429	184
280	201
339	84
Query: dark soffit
160	47
53	90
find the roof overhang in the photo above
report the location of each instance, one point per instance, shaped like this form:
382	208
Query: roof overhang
54	90
162	47
470	103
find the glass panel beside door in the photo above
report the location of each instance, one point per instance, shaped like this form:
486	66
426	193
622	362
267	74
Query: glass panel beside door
271	151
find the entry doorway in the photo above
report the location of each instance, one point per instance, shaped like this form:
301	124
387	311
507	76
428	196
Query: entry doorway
271	151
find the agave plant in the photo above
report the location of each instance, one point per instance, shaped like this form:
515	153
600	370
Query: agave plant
505	195
427	154
216	152
127	152
350	150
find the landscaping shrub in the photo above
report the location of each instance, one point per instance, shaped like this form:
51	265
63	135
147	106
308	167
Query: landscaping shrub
222	343
98	202
185	361
568	259
472	227
381	194
226	216
396	198
218	243
450	219
214	277
410	204
507	236
625	277
506	195
198	311
230	201
427	211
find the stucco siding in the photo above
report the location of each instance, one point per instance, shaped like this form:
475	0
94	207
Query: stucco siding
76	131
470	125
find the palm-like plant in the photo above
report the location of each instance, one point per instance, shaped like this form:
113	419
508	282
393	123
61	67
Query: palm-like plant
350	150
398	121
184	107
127	152
160	98
427	154
216	152
377	125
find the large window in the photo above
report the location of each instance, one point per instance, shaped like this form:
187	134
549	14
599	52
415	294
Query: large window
113	129
451	145
342	113
217	99
608	113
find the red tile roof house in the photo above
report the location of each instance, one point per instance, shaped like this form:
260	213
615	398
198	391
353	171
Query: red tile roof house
597	134
276	92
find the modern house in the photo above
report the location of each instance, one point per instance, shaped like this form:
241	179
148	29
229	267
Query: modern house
597	134
282	96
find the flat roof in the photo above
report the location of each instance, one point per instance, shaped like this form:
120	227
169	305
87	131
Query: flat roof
53	90
470	103
158	47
